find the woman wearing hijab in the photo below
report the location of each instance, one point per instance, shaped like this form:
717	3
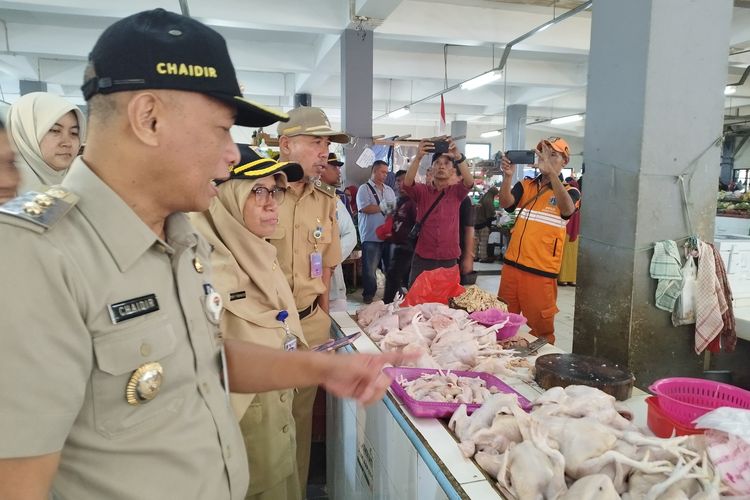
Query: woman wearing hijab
569	266
259	308
46	132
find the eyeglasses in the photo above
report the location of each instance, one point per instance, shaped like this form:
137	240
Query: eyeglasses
263	195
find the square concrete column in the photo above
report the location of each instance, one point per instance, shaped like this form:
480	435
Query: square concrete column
356	99
458	129
657	70
515	132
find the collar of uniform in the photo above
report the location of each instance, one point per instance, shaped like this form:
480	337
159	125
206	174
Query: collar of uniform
122	232
538	178
179	231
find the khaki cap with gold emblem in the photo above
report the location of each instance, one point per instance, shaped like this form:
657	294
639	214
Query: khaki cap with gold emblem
310	121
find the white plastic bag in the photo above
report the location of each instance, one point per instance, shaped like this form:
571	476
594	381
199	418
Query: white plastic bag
728	445
684	309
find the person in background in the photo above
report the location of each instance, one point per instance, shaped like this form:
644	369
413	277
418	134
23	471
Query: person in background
532	260
374	201
308	245
331	175
255	293
437	245
485	218
404	217
569	266
125	372
9	176
465	236
46	132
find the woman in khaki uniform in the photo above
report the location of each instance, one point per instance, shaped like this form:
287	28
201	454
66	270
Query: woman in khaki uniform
255	291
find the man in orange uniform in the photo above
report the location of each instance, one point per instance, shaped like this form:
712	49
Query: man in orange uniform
532	261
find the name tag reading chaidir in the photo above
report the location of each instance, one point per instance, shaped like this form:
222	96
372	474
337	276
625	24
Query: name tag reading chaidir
132	308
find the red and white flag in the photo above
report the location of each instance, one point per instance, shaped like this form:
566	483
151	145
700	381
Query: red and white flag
442	128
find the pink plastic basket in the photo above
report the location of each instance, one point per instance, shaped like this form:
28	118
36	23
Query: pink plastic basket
685	399
430	409
494	316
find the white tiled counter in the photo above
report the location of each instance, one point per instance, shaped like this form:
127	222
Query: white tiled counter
384	452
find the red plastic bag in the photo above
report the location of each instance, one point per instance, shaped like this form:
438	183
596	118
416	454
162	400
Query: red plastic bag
437	285
385	230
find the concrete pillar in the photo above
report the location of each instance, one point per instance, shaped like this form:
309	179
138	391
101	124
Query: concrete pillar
356	99
727	159
459	129
302	100
29	86
515	132
654	110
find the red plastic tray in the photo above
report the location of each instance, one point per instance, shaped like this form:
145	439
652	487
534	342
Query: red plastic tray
430	409
662	425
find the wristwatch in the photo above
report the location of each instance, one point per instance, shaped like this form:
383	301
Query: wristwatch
460	160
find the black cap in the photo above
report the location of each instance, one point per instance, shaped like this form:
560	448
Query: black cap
334	160
157	49
254	166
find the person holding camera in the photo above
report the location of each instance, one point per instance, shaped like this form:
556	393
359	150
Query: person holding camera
436	230
375	200
532	261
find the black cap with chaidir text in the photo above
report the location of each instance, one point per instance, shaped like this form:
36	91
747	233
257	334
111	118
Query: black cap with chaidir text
157	49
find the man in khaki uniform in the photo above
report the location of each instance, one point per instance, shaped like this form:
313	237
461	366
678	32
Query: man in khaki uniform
111	359
308	245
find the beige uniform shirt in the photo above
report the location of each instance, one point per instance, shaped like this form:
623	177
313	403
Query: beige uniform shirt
295	239
66	358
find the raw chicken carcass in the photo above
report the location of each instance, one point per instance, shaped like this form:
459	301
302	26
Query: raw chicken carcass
369	313
593	487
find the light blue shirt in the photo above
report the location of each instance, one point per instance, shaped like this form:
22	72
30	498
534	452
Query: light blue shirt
368	222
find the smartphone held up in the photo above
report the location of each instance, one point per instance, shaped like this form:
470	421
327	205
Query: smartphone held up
521	157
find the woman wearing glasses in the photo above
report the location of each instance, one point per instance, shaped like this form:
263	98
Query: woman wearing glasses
258	307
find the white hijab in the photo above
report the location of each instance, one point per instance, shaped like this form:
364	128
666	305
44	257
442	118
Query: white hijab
29	119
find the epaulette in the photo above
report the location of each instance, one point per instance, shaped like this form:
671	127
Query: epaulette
325	188
43	209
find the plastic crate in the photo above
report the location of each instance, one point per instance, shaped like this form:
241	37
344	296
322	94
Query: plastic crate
684	399
431	409
663	426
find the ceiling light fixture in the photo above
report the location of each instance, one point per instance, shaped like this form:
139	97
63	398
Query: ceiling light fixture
566	119
482	79
491	133
398	113
508	47
730	89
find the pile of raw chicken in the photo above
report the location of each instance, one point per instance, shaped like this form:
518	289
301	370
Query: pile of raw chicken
576	445
447	388
444	338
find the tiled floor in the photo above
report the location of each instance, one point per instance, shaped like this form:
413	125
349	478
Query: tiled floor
489	279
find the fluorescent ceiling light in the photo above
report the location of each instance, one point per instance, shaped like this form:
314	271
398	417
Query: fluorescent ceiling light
491	133
566	119
398	113
482	79
730	89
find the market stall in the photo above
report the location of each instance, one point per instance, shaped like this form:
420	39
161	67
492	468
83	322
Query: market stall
385	452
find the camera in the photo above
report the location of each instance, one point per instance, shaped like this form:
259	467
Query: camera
440	146
522	157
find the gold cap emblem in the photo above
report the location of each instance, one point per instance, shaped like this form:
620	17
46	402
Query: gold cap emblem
33	209
144	384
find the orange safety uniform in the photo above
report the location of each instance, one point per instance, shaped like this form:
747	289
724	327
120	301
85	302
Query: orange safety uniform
534	255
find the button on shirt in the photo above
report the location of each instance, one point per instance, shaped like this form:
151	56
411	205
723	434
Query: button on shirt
369	222
438	238
65	363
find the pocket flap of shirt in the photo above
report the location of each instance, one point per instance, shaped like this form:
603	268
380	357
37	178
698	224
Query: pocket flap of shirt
125	350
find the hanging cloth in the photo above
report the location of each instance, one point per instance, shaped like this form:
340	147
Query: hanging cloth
666	267
727	339
710	301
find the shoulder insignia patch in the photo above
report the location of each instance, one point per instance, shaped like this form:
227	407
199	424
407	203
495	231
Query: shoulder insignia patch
325	188
43	209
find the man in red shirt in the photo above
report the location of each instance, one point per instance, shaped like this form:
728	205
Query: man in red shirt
437	245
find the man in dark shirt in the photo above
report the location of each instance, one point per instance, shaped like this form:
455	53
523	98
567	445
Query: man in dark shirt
404	218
